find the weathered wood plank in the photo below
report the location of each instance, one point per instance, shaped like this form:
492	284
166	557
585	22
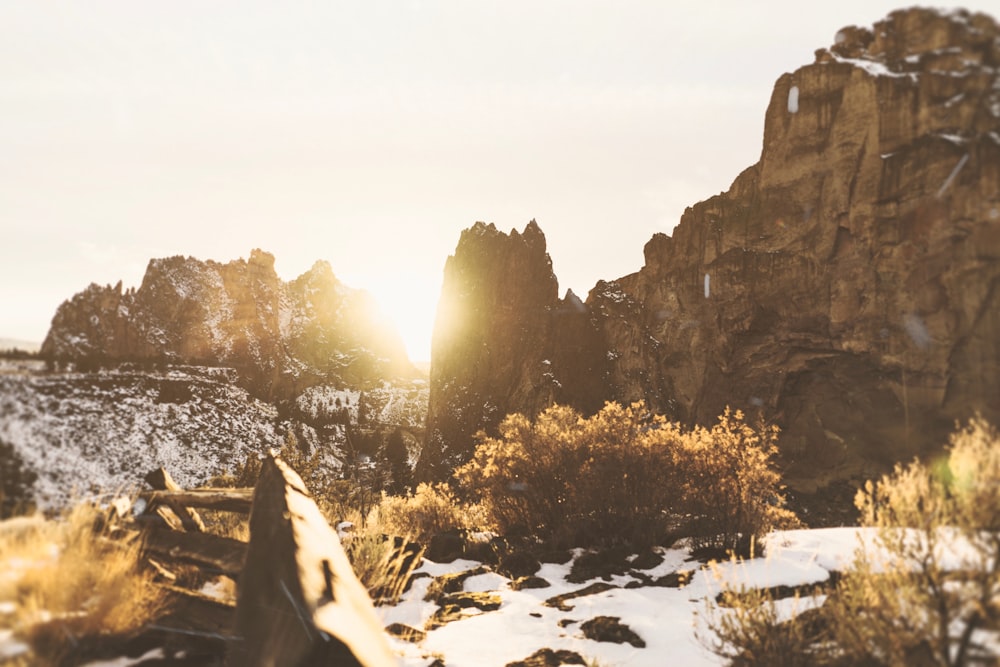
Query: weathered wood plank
198	613
225	500
169	517
161	480
299	602
222	555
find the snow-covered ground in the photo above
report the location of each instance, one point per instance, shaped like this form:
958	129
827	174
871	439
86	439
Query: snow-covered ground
668	620
101	432
85	433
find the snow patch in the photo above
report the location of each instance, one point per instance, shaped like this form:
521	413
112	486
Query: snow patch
952	175
874	67
793	99
666	618
10	647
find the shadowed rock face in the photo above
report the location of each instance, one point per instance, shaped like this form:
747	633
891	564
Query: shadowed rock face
494	340
846	285
281	337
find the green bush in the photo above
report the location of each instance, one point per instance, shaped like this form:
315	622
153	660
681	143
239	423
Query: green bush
16	483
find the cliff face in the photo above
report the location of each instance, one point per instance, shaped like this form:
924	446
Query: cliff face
281	337
497	321
846	285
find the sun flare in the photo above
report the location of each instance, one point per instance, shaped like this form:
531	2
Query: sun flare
409	303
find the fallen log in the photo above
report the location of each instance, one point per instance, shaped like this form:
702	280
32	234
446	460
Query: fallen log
192	612
190	520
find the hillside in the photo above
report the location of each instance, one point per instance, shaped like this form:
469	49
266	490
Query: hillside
200	366
281	337
100	432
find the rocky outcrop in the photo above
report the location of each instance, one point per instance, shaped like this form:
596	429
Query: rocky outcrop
847	285
493	345
281	337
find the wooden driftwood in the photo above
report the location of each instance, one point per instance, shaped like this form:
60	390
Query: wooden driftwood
299	602
195	613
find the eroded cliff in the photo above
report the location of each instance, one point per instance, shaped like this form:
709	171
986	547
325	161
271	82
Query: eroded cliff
846	286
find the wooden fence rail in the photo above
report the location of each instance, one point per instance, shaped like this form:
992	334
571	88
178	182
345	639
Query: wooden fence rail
298	601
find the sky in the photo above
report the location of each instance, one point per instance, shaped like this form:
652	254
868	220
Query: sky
370	134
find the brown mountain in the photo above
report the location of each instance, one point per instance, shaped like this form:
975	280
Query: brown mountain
847	285
281	337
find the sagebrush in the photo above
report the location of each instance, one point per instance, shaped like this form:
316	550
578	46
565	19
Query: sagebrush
924	591
625	476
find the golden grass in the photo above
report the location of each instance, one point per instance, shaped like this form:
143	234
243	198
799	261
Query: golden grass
70	582
382	569
430	510
227	524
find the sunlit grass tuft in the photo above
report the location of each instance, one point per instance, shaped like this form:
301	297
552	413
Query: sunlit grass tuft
70	583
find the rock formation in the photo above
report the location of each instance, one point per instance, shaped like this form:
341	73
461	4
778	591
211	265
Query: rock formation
847	285
493	346
281	337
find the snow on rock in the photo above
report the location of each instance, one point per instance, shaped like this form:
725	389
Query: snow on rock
793	99
281	336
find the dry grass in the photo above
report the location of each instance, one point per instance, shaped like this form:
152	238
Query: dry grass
430	510
70	583
381	566
227	524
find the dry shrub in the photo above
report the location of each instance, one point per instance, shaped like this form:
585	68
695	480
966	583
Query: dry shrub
432	509
382	564
930	579
623	476
924	591
72	582
748	628
386	547
574	481
729	484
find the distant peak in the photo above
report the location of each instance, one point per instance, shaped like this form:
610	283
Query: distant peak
532	229
487	233
321	268
261	258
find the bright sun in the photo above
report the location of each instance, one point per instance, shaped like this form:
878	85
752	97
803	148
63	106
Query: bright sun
409	303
